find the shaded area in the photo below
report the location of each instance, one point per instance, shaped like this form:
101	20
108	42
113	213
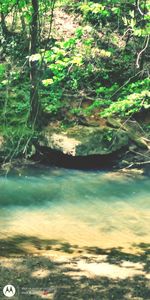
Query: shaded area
56	158
60	277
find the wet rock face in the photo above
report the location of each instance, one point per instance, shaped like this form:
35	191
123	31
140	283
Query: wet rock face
84	141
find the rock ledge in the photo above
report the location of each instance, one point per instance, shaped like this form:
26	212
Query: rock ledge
83	140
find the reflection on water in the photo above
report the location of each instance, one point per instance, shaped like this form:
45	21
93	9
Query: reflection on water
83	208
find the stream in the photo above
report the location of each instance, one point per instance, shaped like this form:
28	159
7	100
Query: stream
74	208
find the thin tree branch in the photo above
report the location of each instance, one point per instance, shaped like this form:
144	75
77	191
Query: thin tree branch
139	9
125	83
138	164
140	53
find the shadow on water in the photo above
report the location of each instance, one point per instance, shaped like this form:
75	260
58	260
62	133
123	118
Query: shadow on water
64	279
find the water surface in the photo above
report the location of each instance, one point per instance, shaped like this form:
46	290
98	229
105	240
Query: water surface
81	208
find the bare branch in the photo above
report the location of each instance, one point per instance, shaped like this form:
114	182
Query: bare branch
139	9
126	82
140	53
138	164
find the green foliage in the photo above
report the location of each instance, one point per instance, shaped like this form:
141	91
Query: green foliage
18	141
90	72
131	99
130	105
2	71
64	64
70	65
98	104
93	12
135	87
109	136
61	57
51	101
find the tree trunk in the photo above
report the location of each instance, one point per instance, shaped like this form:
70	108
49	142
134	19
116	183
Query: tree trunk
23	23
3	24
35	110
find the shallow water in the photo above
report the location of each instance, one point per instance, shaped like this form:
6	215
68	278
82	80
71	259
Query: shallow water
81	208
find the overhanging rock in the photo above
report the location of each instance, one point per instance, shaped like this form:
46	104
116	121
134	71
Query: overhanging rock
83	140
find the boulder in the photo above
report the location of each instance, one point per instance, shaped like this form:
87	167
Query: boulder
83	140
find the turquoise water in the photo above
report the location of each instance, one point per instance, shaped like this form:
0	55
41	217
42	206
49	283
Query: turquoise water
78	207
